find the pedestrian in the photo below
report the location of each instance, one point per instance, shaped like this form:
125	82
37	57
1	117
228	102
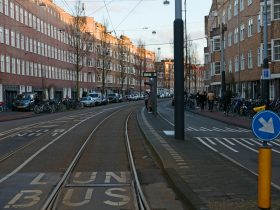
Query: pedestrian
210	99
202	99
150	105
146	99
227	100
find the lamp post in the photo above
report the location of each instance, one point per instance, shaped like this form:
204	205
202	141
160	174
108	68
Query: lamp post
266	72
179	71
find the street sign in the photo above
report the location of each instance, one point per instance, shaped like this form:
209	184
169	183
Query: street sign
266	125
149	74
266	74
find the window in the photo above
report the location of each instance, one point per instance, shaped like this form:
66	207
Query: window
276	50
242	62
13	39
242	30
259	23
12	10
2	62
250	27
241	5
250	59
22	67
17	12
6	6
26	43
216	44
236	35
27	68
268	12
29	19
259	57
18	66
8	64
25	17
7	36
21	19
217	68
229	39
276	7
31	68
13	65
18	40
1	6
250	2
230	66
236	64
22	41
1	34
235	12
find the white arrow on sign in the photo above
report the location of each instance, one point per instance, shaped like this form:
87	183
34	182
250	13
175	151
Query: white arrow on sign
267	126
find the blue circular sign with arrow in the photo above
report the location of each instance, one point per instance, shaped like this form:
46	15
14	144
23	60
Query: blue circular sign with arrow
266	125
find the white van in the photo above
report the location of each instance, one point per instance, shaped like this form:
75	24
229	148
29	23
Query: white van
96	97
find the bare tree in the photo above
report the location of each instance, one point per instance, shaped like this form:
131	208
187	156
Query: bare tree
103	64
140	62
79	40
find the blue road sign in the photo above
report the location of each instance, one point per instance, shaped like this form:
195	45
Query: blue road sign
266	125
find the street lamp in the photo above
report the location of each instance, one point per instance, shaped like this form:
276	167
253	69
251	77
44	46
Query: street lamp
178	70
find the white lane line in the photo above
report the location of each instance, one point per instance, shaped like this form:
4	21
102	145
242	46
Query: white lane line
221	142
228	141
244	145
244	140
207	145
16	170
209	139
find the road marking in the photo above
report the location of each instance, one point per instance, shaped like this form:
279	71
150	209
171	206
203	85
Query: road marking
230	148
16	170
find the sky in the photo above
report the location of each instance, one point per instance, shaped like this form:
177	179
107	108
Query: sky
148	20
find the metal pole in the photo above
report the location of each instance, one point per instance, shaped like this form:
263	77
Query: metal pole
179	71
223	61
265	82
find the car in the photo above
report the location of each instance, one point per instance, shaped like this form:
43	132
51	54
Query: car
87	101
96	97
25	101
104	100
114	98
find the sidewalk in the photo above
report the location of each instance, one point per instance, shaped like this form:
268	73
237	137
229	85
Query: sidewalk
15	115
244	122
204	179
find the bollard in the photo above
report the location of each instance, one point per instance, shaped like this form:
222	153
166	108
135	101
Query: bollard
264	178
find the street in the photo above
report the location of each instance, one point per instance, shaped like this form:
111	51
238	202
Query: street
77	160
237	144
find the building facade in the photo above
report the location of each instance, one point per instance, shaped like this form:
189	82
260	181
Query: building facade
234	30
37	55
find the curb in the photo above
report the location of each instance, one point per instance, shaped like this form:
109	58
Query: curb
190	198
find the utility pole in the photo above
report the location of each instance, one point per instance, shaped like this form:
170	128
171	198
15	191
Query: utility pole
223	29
179	71
266	71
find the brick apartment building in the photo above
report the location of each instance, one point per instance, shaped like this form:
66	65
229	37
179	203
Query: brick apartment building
36	55
241	22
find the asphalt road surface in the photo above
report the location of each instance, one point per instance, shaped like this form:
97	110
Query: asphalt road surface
79	160
237	144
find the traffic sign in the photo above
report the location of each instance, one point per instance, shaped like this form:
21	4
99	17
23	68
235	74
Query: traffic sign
266	74
149	74
266	125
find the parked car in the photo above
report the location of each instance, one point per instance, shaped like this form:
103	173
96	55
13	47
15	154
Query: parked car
25	101
104	100
114	98
87	101
96	97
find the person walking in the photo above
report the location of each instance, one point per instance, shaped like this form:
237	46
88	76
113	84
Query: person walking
146	99
210	99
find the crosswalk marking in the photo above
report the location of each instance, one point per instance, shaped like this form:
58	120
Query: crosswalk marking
216	129
233	144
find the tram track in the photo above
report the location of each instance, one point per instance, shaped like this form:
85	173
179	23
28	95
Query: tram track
55	197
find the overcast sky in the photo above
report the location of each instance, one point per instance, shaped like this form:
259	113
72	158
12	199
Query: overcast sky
132	17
